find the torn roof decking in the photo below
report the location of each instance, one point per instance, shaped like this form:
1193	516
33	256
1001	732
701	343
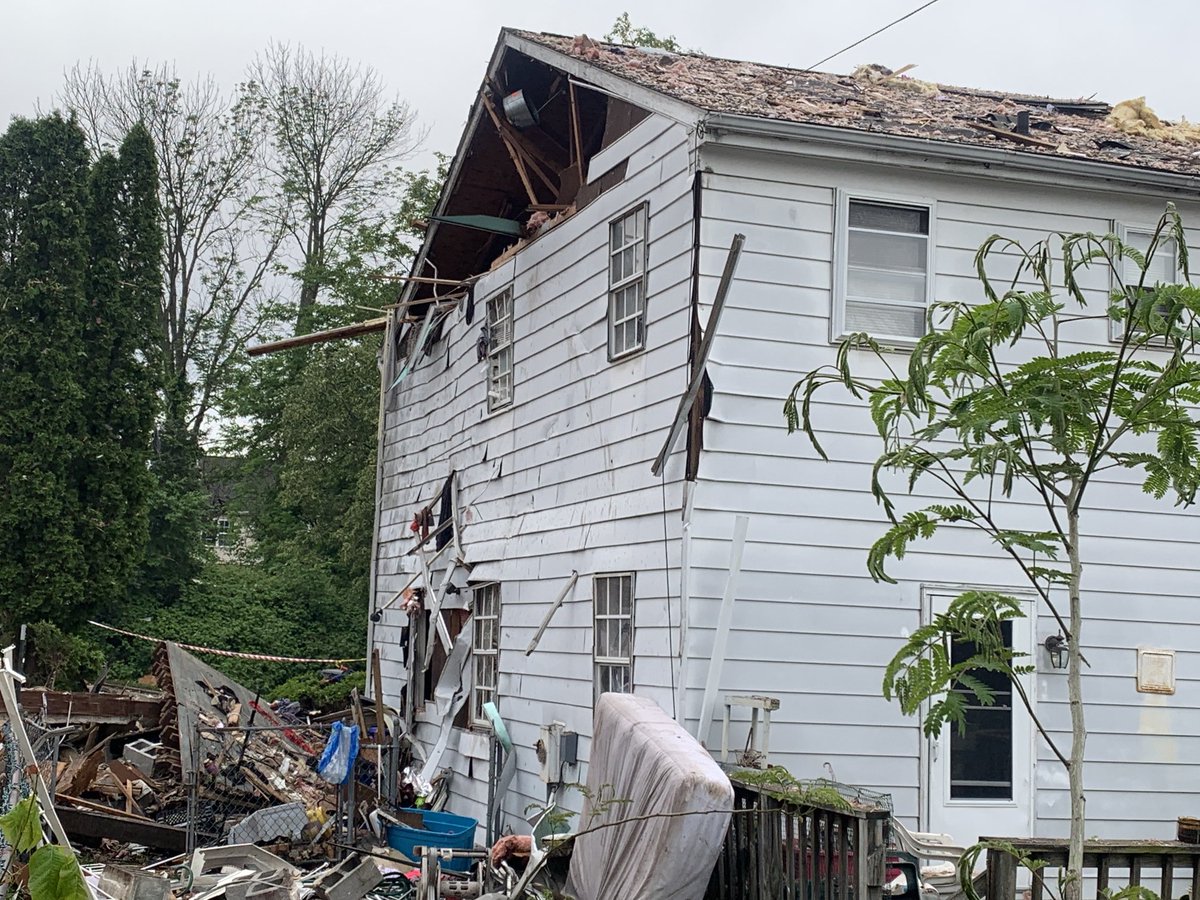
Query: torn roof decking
189	685
899	106
484	181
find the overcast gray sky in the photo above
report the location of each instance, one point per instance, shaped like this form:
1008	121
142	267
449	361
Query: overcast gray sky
433	53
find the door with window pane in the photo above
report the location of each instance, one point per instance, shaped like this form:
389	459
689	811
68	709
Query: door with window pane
980	782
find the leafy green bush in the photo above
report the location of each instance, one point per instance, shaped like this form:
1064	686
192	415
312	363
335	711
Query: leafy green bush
314	694
59	660
285	611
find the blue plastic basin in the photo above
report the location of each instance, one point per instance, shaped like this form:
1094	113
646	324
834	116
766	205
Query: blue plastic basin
442	829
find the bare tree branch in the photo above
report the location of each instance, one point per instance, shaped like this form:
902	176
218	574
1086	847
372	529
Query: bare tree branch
334	134
211	181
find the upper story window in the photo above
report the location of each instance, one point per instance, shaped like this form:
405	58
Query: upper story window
1164	266
500	350
612	607
627	283
485	649
882	282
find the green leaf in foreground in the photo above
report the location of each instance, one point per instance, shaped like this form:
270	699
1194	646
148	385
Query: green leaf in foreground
22	825
54	874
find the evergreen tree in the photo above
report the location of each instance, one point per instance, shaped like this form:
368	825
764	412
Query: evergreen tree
119	380
177	505
80	277
43	268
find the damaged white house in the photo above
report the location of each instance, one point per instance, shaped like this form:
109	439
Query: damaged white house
526	554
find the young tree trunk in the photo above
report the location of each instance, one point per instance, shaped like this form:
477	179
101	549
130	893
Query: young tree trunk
1074	887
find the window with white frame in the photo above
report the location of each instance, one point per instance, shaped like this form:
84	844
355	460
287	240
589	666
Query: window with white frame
485	649
500	350
612	605
627	283
882	282
1163	268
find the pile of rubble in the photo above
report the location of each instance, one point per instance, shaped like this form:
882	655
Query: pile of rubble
241	755
183	762
199	790
190	785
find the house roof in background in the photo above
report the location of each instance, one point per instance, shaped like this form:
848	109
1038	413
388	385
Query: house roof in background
874	99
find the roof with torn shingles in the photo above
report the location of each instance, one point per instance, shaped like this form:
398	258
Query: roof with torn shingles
872	102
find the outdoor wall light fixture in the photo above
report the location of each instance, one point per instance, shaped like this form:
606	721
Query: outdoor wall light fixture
1056	645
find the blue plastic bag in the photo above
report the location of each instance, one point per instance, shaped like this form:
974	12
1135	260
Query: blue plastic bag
337	759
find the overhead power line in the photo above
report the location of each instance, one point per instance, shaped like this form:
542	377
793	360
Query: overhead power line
872	34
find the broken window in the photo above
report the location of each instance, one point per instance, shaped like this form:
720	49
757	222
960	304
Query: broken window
403	338
612	604
627	283
1164	266
445	523
455	619
500	350
883	284
485	649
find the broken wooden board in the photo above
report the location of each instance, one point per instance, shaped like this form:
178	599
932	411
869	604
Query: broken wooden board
93	825
85	708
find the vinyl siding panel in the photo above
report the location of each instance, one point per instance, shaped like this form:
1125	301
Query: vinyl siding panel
560	481
810	626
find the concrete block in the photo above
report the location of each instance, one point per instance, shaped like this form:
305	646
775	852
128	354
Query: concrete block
134	884
142	754
351	879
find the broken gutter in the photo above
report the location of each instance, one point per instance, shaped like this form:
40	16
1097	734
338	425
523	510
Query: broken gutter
807	139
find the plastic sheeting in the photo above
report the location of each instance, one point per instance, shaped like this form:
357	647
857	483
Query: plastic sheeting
643	763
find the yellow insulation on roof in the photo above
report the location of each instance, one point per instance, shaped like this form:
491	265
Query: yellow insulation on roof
1135	117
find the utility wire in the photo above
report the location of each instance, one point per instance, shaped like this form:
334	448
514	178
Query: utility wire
872	34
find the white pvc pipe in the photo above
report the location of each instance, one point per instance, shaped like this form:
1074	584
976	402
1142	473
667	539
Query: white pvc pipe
724	622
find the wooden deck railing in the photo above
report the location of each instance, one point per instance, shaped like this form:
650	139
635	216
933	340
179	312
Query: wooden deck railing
780	849
1169	868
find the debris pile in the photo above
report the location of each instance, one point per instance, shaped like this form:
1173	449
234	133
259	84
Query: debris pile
200	756
240	753
197	787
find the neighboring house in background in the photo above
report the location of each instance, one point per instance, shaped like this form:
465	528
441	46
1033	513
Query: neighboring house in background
227	533
529	390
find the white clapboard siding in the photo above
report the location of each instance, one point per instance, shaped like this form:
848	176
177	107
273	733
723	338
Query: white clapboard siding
559	481
810	626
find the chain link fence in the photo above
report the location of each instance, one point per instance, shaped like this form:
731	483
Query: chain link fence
16	783
259	784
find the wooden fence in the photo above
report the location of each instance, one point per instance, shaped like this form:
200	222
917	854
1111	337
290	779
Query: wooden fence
1169	868
781	849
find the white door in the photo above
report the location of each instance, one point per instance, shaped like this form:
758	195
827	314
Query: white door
980	783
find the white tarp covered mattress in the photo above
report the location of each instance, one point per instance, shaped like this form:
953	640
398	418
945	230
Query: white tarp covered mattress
644	763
